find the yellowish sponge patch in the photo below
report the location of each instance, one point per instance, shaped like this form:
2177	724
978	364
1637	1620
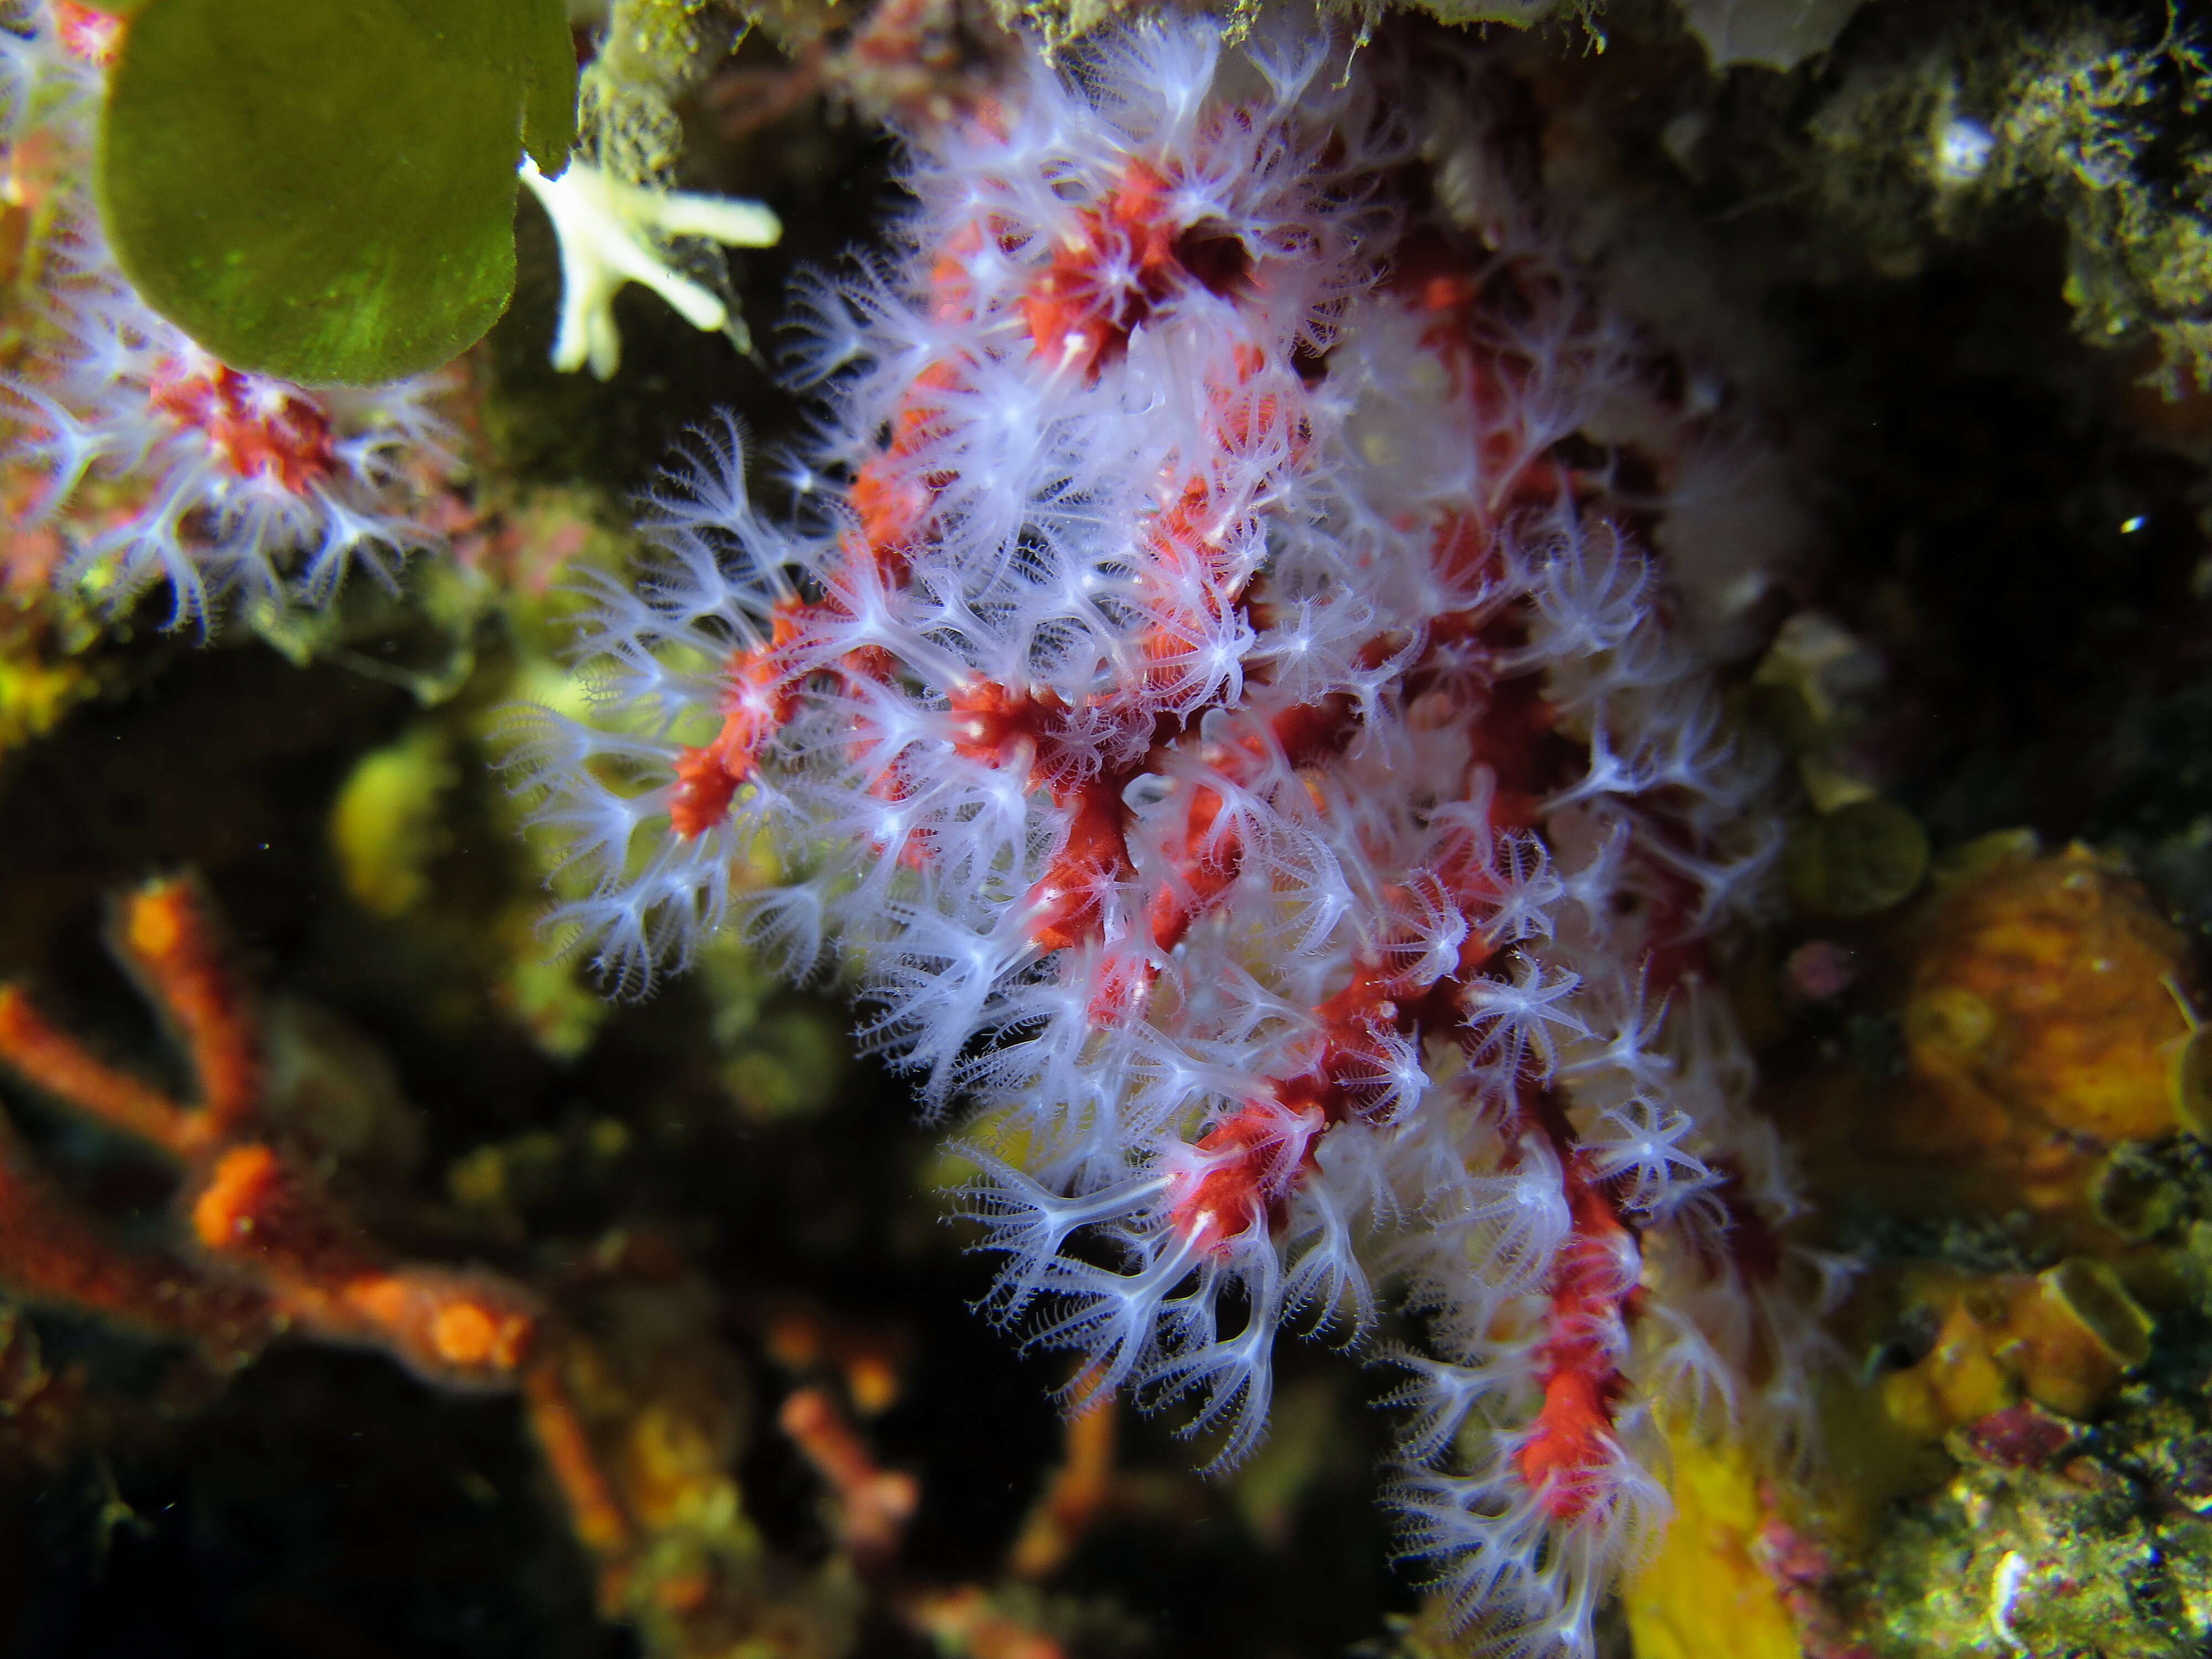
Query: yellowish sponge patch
1704	1595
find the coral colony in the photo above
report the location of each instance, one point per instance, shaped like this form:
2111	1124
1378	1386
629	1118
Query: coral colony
1223	708
141	457
277	1252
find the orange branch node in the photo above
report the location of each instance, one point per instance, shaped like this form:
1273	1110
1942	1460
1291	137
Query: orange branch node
469	1330
50	1252
258	1208
462	1330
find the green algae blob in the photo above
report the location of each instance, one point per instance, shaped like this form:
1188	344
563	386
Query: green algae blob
1857	860
325	191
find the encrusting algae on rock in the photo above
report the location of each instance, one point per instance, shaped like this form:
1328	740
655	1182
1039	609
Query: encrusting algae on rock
2042	1014
2062	1338
2013	1165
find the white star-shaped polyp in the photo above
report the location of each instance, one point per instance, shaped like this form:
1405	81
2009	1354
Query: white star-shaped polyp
606	228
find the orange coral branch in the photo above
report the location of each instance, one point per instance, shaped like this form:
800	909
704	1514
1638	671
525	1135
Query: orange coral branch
601	1523
1079	1492
299	1260
57	1064
963	1621
453	1327
873	1503
163	935
163	931
51	1252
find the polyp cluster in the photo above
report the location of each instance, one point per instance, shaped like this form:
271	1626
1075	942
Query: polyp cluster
1224	713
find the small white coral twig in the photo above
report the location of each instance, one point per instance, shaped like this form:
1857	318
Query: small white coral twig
607	231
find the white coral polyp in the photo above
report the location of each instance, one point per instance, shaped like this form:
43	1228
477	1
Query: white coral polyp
152	462
1248	763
